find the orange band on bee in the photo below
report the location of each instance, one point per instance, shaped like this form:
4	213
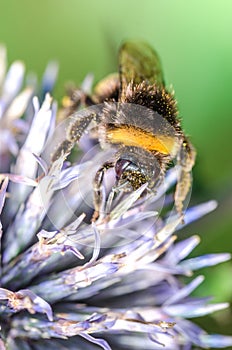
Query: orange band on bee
130	135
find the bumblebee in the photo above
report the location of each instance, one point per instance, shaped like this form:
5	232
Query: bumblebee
138	116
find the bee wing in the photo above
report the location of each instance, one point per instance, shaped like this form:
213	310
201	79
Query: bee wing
138	62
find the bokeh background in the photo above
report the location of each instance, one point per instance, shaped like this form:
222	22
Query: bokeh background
194	40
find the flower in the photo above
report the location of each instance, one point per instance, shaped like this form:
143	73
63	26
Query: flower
67	283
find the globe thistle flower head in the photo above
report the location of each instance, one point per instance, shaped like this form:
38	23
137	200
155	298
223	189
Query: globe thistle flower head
69	283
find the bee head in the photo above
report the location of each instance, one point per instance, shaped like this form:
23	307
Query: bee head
130	174
135	167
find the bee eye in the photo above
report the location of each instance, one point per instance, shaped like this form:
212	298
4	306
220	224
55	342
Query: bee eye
120	166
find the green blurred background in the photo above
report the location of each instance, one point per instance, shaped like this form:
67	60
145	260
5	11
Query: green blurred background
194	41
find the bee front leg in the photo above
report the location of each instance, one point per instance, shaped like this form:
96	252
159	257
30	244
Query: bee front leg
79	122
186	160
98	189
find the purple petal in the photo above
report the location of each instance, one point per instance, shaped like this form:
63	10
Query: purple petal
71	249
37	304
3	64
216	341
18	105
42	163
50	77
168	229
101	342
5	293
13	81
125	204
195	213
192	310
87	84
2	346
97	246
205	260
3	193
20	179
185	291
26	299
70	174
53	242
181	249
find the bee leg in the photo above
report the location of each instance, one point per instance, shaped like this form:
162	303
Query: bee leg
98	189
186	160
78	124
107	89
77	97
